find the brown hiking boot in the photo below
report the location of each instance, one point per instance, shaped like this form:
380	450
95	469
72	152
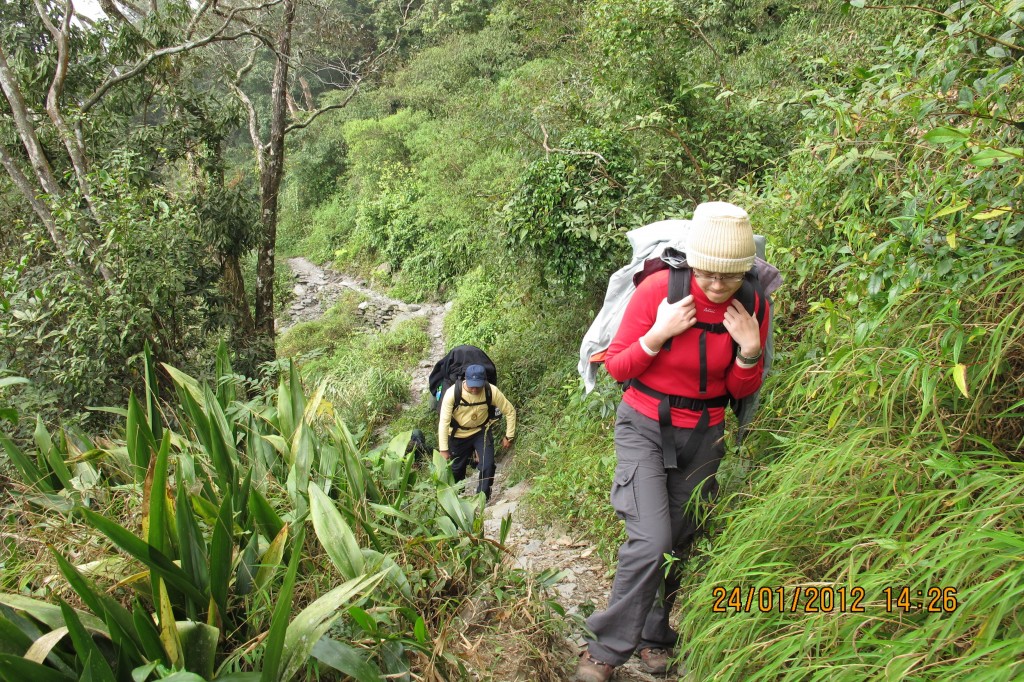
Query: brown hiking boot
654	660
592	670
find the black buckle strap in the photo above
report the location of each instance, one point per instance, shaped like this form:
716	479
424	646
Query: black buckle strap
668	433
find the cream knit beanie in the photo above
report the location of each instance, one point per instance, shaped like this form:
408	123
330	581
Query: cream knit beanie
721	239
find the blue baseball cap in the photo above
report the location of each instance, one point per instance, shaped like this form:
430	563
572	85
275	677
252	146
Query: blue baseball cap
476	376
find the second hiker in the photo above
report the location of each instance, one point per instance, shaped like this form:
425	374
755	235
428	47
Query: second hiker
470	409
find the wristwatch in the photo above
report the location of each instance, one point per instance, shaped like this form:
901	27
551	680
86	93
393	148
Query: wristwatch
749	361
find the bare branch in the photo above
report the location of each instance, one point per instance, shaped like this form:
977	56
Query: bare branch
196	17
573	152
216	36
26	131
340	105
254	129
952	19
249	64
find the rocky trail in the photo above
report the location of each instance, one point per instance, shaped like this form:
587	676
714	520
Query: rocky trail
584	579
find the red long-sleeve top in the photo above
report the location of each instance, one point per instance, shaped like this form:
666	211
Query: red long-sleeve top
676	371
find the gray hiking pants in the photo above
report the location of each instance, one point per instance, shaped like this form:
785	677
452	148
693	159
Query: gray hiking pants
651	500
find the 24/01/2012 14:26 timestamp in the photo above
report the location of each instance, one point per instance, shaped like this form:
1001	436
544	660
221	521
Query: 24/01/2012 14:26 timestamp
814	599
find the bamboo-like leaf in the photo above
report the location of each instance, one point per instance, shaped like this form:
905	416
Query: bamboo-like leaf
225	376
222	451
271	559
149	635
152	397
221	550
139	439
298	396
449	500
335	535
31	475
168	628
346	659
154	499
375	561
285	415
51	455
313	621
266	519
141	550
245	574
960	378
191	547
273	652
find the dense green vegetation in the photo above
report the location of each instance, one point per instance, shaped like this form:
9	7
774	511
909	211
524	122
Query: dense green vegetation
497	162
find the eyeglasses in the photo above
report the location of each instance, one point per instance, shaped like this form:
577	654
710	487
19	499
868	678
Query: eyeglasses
718	277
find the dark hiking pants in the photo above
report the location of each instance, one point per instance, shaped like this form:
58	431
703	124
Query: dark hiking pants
462	450
651	500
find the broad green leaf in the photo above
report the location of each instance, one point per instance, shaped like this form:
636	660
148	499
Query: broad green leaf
141	550
86	649
274	657
199	645
12	381
18	669
960	378
221	551
119	621
313	621
346	659
185	382
989	157
139	439
267	520
13	640
154	499
191	544
945	135
375	561
48	614
149	635
335	534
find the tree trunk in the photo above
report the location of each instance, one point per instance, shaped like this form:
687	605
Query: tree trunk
233	284
270	185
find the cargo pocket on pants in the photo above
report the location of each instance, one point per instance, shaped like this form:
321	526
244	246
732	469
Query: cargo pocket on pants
624	492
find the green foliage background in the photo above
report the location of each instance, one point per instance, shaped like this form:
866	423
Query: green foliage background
499	167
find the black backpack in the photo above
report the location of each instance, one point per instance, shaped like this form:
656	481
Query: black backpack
451	370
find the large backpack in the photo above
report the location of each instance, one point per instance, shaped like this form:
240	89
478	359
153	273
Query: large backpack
451	369
656	247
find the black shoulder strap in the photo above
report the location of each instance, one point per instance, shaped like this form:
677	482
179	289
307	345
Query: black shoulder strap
458	401
678	289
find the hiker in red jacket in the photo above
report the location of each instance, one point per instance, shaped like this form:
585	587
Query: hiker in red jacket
681	363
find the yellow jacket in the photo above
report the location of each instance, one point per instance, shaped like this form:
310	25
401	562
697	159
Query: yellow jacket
473	410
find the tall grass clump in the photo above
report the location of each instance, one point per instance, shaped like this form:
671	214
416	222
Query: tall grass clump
247	539
366	372
891	447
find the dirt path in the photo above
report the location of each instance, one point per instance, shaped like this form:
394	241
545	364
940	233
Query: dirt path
585	580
